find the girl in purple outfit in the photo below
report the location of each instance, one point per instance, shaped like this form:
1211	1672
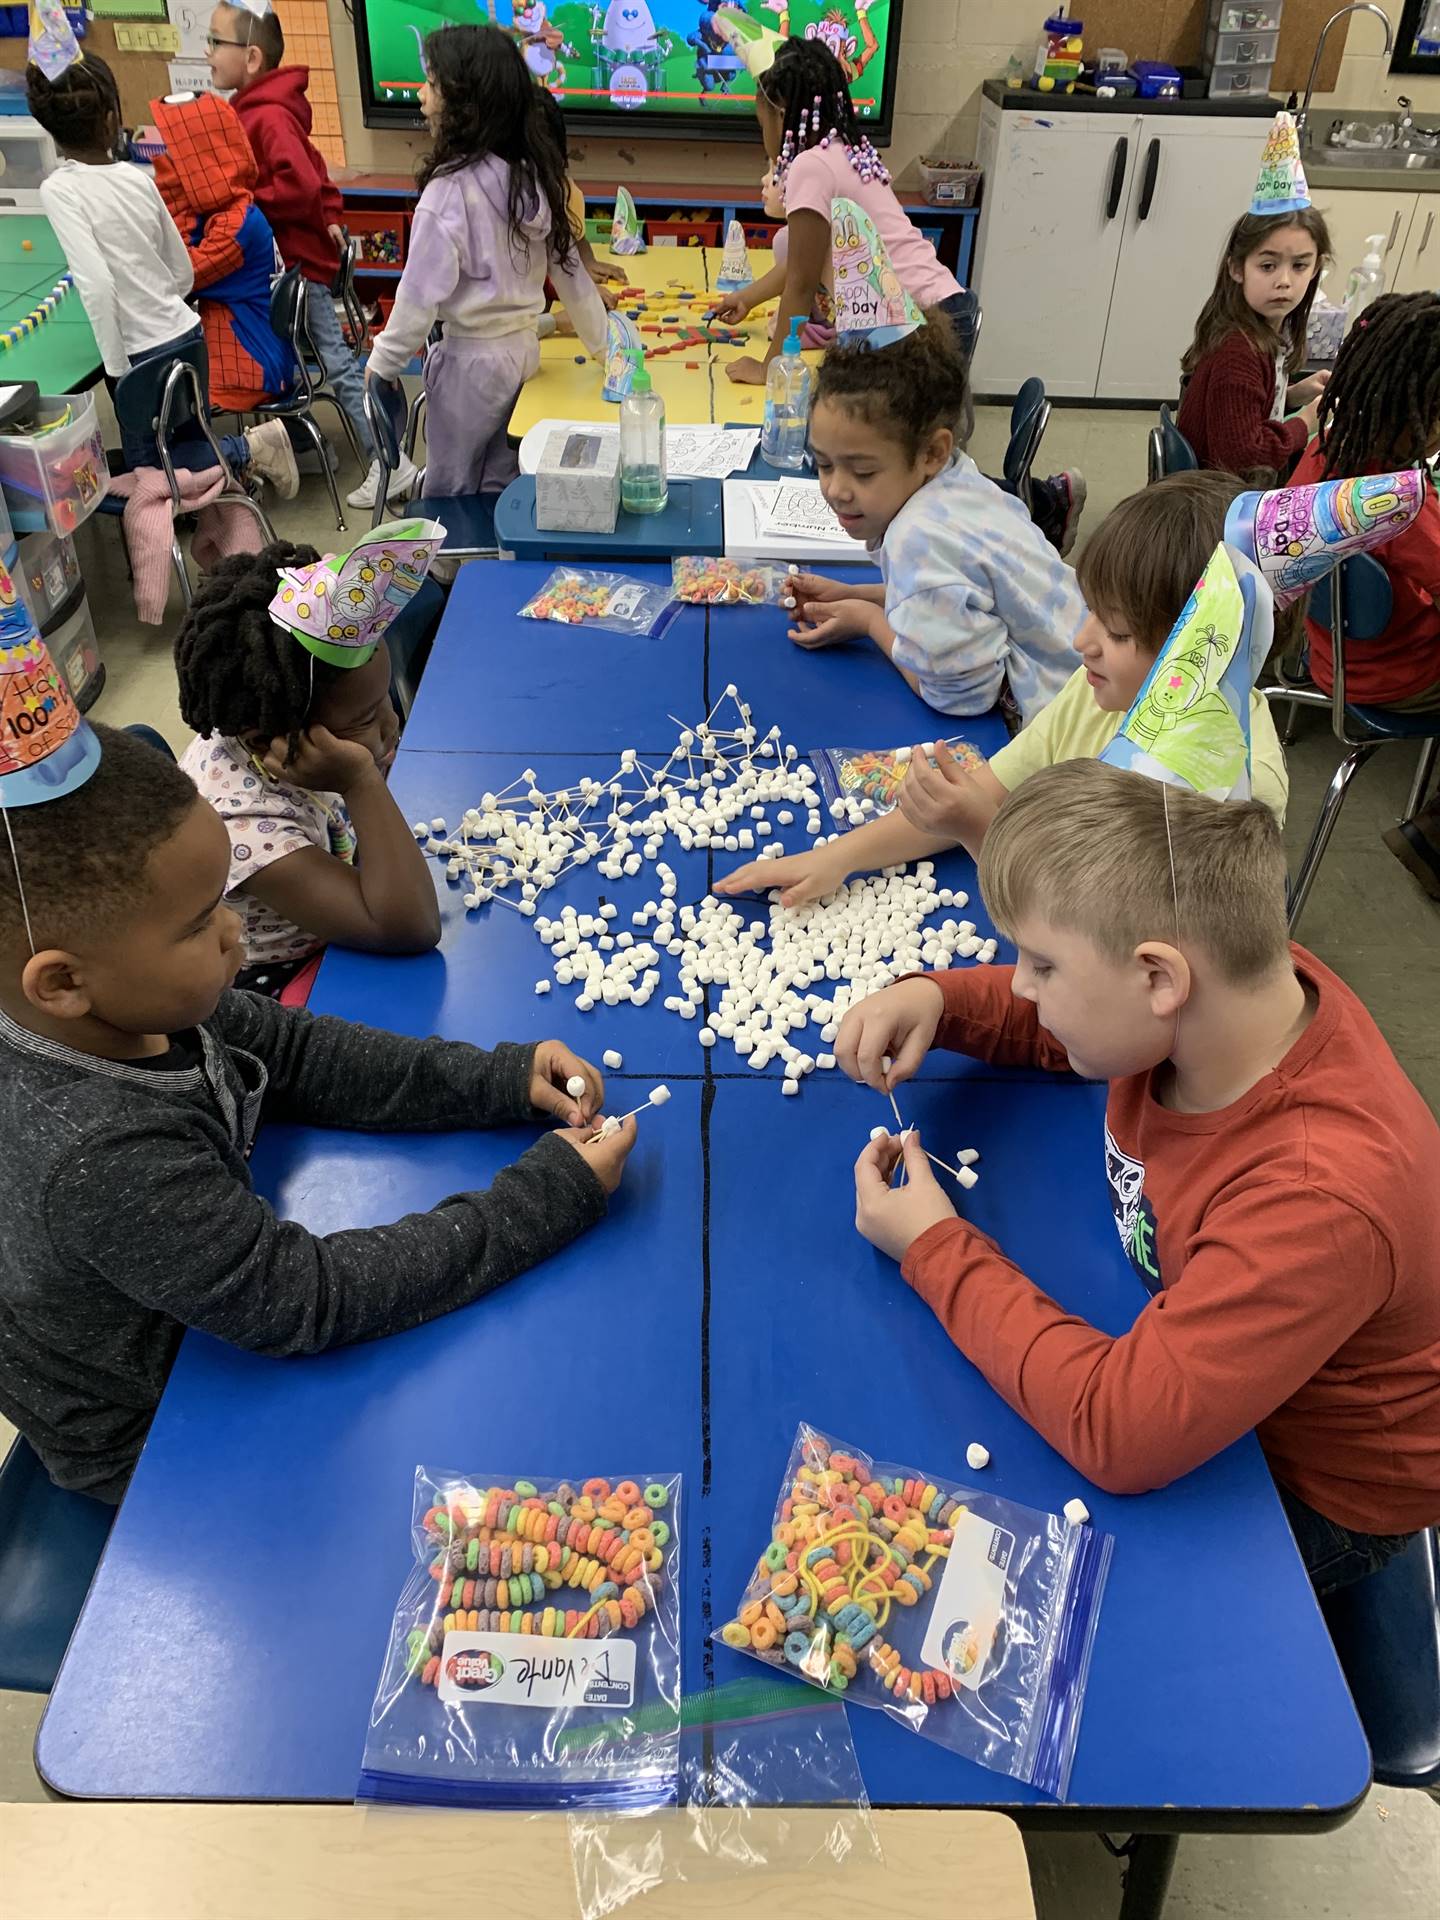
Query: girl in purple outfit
489	229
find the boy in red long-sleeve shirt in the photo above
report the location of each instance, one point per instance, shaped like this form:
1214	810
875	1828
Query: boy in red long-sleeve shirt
1275	1176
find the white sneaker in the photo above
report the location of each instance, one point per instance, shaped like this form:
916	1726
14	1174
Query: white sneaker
402	480
272	458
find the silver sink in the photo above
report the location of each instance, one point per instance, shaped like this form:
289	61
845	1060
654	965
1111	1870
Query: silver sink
1375	159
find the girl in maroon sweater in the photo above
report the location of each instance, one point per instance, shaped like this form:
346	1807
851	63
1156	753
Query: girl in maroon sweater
1249	343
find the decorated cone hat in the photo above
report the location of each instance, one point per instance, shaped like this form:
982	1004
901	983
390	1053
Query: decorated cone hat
1189	724
339	608
47	747
756	45
872	309
1282	186
625	235
735	261
53	46
1296	535
622	343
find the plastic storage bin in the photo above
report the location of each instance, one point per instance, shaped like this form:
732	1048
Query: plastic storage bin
1244	16
55	479
27	154
1228	81
379	237
49	572
950	183
76	651
1241	49
683	233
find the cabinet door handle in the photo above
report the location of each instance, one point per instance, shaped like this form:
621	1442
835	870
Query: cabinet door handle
1147	187
1429	223
1394	231
1117	175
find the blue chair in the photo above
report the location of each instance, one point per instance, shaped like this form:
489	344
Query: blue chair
1358	612
50	1544
468	518
1029	417
1169	450
287	319
1386	1630
167	398
151	738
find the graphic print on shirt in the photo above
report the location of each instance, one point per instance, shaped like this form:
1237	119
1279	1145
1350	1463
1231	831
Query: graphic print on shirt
1134	1215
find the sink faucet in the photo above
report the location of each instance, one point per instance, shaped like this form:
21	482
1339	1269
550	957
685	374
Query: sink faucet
1363	6
1404	119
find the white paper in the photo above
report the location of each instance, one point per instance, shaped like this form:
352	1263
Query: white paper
785	520
191	76
691	453
191	20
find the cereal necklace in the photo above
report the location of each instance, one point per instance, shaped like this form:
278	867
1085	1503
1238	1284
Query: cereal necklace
501	1553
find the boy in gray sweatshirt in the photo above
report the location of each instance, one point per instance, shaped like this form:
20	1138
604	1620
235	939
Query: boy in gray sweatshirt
132	1082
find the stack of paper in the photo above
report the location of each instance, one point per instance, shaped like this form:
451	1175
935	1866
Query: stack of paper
691	453
785	520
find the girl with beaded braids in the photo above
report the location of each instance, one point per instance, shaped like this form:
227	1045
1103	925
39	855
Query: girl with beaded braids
293	754
820	153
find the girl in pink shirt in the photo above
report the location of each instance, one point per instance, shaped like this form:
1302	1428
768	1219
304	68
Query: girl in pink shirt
820	154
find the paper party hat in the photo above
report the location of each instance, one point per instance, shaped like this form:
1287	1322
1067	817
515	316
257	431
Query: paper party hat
871	307
47	748
338	609
1282	186
755	45
1189	724
1297	534
622	343
734	262
53	46
625	235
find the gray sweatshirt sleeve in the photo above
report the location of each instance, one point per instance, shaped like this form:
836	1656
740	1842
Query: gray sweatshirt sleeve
334	1073
154	1211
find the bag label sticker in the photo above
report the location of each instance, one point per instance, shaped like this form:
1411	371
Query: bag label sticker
536	1670
969	1601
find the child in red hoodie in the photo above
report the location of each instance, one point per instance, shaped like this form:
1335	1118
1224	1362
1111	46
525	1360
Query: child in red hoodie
296	194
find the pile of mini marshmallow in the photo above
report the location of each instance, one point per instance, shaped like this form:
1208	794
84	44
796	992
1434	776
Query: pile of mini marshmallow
718	789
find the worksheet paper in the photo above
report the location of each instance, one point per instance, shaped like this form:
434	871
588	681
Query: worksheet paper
691	453
785	520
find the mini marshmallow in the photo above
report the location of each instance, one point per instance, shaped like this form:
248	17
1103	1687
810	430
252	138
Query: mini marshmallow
967	1176
612	1059
879	1133
542	986
967	1156
575	1086
789	1086
977	1456
659	1095
1077	1513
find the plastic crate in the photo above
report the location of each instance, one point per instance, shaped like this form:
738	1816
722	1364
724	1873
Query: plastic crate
48	574
57	478
1241	49
950	183
761	233
1244	16
76	651
1226	82
683	233
27	155
379	238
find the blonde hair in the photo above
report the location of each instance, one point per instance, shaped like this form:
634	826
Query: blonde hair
1088	848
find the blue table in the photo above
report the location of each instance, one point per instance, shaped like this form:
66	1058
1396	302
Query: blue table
748	1303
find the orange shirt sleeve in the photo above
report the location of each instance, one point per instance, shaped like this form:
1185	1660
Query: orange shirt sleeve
983	1018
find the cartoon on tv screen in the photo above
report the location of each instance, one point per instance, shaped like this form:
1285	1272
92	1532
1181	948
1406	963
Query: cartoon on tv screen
655	60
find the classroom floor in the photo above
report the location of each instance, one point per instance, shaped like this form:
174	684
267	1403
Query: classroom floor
1366	918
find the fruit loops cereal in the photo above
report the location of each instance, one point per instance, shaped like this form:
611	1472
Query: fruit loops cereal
578	596
943	1607
712	580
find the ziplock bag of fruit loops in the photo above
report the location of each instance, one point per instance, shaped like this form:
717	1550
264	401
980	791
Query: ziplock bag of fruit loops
768	1781
875	773
534	1657
968	1617
614	602
712	580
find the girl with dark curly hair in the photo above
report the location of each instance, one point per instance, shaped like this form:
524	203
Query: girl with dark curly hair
490	227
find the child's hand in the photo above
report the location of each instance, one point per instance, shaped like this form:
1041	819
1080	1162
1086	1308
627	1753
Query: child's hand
893	1218
801	877
601	271
609	298
1304	391
1311	416
320	762
731	308
824	623
802	588
551	1067
900	1022
937	799
746	371
605	1158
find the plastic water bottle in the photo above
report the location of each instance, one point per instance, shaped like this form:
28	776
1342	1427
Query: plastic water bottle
1367	281
642	444
787	405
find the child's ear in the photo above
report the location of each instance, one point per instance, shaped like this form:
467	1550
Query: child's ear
1168	979
1237	273
937	451
53	982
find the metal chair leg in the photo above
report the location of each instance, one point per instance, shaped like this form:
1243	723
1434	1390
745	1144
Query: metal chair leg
317	440
1324	827
1420	784
182	572
240	498
347	423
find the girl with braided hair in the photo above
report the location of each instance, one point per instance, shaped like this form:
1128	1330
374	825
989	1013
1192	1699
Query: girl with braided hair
293	754
1381	412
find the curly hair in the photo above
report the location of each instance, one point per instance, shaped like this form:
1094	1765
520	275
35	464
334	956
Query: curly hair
74	108
489	104
1382	407
82	857
905	391
240	675
1227	311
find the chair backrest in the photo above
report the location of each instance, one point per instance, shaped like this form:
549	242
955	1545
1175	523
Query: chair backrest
385	416
1176	453
138	394
1359	611
50	1542
348	294
1028	419
287	319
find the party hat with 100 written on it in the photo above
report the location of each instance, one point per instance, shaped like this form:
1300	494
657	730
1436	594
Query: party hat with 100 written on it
872	309
47	747
1297	534
1281	186
735	261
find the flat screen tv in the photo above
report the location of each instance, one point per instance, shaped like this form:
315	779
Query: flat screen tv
637	67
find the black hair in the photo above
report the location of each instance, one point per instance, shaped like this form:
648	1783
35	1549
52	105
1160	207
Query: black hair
490	104
1381	409
1227	310
263	31
804	71
239	673
81	856
905	391
74	107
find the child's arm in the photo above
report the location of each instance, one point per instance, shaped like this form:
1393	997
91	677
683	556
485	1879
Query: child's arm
963	1010
72	228
733	307
431	274
805	267
1239	433
385	903
289	189
576	290
803	877
217	251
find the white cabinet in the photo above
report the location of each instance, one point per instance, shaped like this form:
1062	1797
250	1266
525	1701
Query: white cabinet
1099	238
1419	268
1352	215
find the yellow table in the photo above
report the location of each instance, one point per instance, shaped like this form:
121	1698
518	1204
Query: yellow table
563	391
